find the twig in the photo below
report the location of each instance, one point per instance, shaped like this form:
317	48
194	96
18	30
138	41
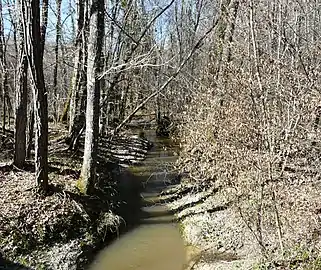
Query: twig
170	79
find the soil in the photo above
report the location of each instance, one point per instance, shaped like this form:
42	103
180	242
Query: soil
64	229
220	238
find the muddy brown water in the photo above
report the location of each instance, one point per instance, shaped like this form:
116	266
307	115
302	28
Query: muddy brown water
155	243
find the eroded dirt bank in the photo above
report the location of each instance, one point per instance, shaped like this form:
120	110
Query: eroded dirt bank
219	237
216	236
232	228
65	229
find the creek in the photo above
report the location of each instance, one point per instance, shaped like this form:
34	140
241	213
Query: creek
154	243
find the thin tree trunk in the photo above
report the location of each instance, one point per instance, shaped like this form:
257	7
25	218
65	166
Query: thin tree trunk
78	87
4	77
43	26
68	110
55	80
34	35
14	22
31	127
21	98
79	43
40	95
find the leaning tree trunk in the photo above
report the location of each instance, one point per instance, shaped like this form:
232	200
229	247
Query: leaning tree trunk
21	97
95	46
35	39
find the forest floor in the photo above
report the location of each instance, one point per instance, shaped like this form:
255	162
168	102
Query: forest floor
64	229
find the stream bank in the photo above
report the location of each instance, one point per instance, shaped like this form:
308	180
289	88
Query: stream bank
65	229
216	235
154	242
234	224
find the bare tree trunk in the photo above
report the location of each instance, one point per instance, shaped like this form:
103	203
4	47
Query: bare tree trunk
58	36
68	108
43	26
80	40
34	36
229	32
4	77
4	104
21	98
31	127
104	93
78	88
95	46
14	22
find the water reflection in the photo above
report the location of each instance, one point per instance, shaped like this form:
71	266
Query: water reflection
156	243
155	246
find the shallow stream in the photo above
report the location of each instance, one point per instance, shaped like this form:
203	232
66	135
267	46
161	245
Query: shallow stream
155	243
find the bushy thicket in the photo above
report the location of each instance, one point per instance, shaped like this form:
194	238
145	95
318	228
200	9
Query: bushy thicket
252	128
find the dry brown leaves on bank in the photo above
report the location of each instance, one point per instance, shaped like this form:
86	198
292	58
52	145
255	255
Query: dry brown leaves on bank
28	219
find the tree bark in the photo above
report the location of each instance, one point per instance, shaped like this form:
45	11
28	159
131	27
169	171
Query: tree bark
95	46
34	36
4	76
55	81
31	128
79	81
21	98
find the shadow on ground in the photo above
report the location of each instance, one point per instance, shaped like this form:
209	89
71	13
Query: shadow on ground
7	265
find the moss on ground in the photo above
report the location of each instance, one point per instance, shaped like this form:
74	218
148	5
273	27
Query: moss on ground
80	185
